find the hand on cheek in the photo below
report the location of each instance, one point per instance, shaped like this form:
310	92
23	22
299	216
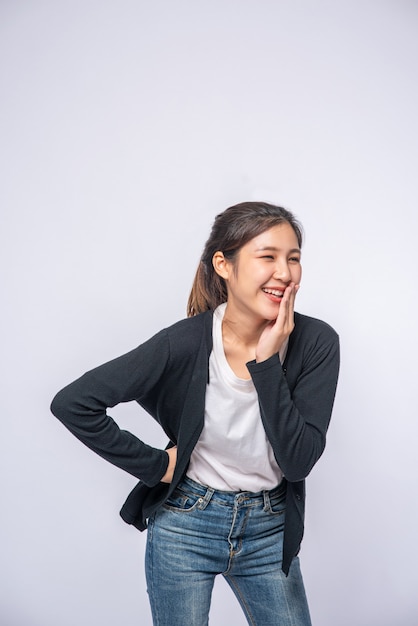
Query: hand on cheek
277	331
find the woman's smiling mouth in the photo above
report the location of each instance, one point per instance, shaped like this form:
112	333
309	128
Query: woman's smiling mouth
275	293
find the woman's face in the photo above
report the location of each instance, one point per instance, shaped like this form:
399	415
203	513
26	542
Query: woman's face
264	267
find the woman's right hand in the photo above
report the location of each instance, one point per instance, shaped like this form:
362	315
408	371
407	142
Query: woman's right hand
172	459
276	332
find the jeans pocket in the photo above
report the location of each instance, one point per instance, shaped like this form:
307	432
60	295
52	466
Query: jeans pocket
182	501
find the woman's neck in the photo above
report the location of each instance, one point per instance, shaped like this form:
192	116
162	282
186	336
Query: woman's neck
238	328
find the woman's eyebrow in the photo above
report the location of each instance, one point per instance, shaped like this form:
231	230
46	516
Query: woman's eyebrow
274	249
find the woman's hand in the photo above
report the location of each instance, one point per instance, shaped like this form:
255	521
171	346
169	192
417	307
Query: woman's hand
276	332
172	459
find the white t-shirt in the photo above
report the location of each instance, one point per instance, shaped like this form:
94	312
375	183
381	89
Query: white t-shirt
233	452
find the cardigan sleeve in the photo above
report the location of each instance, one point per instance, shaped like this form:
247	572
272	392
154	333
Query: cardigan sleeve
82	408
296	421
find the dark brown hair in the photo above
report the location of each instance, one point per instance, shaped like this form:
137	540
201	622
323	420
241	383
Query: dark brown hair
231	230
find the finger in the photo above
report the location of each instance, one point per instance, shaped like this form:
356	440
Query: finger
293	295
287	305
288	297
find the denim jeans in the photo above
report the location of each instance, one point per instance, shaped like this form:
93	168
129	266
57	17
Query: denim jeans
199	533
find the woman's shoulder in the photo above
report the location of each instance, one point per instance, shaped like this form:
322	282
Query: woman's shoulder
190	324
190	331
312	326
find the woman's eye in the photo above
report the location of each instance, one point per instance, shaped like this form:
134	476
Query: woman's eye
268	256
294	259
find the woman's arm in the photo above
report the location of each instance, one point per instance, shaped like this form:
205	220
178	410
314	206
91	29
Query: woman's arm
296	421
82	405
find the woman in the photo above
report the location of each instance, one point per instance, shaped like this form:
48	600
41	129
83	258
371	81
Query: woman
243	389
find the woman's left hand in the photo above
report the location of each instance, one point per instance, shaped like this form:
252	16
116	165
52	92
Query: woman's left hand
277	331
172	460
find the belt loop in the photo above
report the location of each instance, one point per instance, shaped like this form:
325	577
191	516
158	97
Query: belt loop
266	497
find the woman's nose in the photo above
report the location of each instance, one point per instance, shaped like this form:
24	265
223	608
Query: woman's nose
281	272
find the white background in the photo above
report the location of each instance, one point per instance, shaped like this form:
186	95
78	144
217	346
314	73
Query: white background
125	128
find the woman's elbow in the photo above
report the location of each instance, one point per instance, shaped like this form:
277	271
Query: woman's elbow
296	470
60	405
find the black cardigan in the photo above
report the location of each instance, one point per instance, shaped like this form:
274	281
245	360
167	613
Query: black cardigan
167	375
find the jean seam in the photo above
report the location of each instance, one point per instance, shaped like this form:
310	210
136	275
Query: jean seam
234	553
241	599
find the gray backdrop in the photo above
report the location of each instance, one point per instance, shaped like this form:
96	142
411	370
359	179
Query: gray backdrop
125	127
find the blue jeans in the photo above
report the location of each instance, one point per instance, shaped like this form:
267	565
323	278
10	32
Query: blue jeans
199	533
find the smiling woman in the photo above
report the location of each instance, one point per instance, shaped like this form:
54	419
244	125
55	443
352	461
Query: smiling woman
244	390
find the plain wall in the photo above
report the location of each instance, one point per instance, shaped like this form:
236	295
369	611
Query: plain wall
125	128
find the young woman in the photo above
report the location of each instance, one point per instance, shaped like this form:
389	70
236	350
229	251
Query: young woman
243	389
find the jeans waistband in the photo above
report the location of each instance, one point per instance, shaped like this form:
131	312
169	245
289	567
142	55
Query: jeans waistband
231	497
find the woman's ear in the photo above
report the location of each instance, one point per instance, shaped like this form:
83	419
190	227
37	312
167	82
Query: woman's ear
221	265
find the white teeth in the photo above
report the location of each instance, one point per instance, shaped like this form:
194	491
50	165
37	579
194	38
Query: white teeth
274	292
